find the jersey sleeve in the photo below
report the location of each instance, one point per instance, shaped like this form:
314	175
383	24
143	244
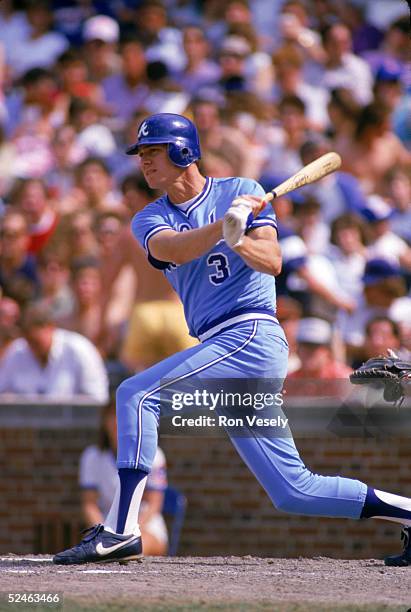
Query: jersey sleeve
146	224
266	216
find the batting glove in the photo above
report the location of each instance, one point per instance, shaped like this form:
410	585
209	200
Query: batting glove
237	220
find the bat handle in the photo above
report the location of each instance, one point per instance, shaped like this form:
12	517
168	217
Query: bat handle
269	197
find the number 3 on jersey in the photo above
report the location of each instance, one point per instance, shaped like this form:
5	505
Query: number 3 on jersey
221	268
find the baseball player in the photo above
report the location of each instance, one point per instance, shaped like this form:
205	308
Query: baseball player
218	248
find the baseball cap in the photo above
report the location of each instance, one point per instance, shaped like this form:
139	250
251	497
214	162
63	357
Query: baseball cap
313	330
379	269
376	209
389	71
235	45
101	27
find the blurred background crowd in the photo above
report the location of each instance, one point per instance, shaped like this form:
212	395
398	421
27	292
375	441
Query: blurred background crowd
271	85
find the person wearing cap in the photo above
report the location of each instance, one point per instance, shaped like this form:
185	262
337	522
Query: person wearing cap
216	242
314	348
384	294
232	62
388	87
100	37
384	243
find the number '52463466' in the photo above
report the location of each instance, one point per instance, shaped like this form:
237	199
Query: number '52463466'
34	598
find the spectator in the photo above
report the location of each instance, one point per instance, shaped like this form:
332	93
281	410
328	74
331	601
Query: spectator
233	56
258	66
289	312
348	252
320	373
14	27
161	42
54	274
165	95
366	36
309	225
126	91
31	199
397	188
295	31
7	162
98	477
18	270
288	63
82	241
388	89
283	154
374	150
344	112
88	315
150	284
338	192
73	77
33	114
383	243
67	153
157	330
52	362
394	48
310	279
343	68
100	36
42	46
93	190
199	69
92	135
9	319
218	138
384	294
117	298
382	334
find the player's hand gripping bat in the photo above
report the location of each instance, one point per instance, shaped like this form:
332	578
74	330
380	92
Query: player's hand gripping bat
240	214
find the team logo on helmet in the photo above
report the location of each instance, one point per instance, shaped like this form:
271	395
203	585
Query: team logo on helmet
143	131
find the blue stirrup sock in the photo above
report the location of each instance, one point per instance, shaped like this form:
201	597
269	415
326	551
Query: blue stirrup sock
382	505
132	483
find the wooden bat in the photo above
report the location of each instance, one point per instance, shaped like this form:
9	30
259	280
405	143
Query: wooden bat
311	173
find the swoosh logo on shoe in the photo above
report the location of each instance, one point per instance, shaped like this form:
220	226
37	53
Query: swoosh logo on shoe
101	550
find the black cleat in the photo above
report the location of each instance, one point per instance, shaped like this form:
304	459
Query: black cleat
403	559
101	546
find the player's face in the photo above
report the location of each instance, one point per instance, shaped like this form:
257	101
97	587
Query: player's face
158	170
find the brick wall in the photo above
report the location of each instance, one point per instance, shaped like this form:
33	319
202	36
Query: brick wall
228	512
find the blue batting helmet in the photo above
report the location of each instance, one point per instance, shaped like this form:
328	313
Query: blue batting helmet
175	130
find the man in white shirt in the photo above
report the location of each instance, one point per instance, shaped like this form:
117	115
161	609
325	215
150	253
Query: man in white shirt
54	362
342	67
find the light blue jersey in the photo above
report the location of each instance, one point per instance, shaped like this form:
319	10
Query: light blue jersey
218	284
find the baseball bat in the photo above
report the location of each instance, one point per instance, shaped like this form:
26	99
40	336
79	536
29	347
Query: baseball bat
311	173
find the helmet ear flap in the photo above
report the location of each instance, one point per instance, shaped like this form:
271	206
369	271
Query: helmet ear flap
181	154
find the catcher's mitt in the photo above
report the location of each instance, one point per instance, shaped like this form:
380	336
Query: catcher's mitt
391	372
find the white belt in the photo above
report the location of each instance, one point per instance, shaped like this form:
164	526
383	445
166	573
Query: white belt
249	316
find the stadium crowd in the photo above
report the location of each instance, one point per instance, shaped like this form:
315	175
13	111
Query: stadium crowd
271	85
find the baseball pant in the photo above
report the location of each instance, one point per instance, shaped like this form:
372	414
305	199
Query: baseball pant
252	349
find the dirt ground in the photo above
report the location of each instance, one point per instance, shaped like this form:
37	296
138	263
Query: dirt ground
211	583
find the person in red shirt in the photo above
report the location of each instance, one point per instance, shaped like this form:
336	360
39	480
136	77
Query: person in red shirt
32	201
320	373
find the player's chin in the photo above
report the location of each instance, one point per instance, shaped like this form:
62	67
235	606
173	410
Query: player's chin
152	180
